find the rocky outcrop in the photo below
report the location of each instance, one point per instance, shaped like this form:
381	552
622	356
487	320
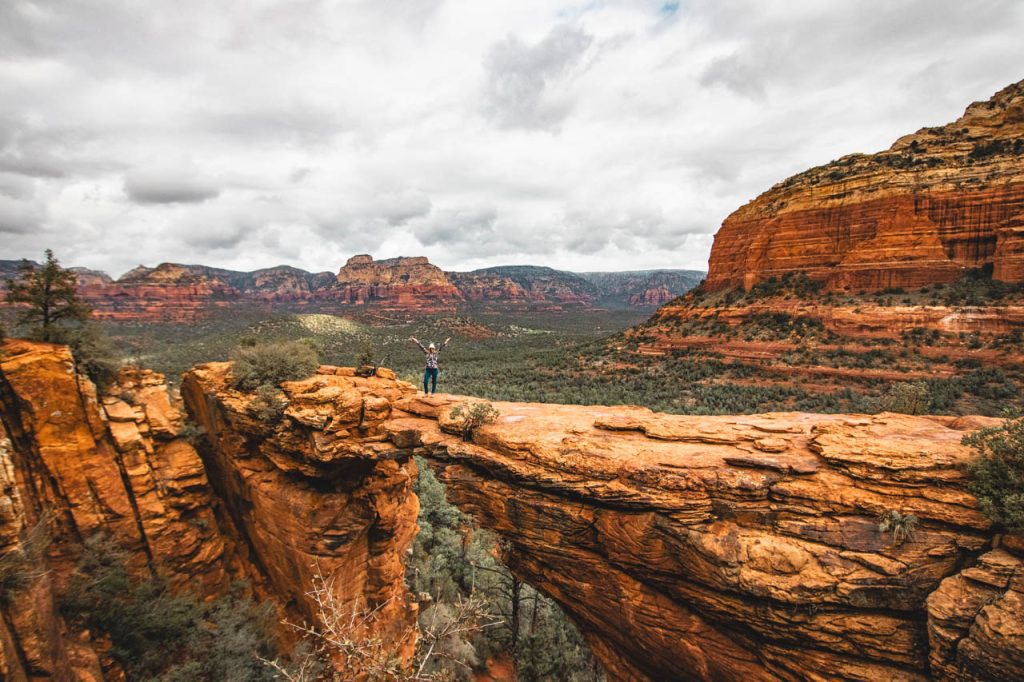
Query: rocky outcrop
714	548
934	204
76	465
644	288
975	623
317	489
396	284
717	548
728	547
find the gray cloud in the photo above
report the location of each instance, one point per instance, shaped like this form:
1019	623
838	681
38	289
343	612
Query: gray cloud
460	230
731	72
18	217
169	184
525	82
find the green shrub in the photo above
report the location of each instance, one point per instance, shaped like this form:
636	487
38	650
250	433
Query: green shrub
268	405
997	476
156	635
908	397
473	417
902	526
22	565
94	353
272	363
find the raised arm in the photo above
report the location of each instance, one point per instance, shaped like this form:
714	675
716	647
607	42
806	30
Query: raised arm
443	344
417	342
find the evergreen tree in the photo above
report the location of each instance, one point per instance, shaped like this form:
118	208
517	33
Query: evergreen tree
51	293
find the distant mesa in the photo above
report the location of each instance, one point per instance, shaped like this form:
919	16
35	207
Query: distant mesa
938	202
410	285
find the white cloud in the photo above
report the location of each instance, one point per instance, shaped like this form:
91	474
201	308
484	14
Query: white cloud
583	135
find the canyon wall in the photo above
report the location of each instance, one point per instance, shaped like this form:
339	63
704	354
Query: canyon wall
75	463
936	203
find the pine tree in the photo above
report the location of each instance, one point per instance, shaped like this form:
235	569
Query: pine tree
51	293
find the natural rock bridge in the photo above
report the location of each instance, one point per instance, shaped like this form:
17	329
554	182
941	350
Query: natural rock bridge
716	548
724	548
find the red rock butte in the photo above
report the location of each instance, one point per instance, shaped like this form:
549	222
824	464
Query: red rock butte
936	203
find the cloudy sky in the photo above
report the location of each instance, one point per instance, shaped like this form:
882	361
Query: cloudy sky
591	135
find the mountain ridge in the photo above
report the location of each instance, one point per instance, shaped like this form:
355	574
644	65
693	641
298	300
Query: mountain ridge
180	291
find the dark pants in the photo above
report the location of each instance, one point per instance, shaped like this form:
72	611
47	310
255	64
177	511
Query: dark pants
430	374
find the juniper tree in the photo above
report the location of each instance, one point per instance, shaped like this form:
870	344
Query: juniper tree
51	294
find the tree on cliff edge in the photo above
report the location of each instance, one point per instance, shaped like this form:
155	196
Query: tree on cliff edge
51	293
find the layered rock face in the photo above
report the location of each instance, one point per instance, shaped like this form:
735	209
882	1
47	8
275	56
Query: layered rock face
396	284
172	292
934	204
645	288
717	548
727	548
317	489
74	464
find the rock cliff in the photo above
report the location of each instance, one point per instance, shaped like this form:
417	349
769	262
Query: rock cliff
74	463
936	203
396	284
695	547
77	464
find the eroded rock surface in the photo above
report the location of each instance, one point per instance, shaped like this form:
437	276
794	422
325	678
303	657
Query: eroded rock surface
936	203
717	548
730	547
74	464
317	488
708	548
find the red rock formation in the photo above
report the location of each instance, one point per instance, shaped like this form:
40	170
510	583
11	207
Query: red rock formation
318	488
686	547
75	465
77	469
172	292
936	203
975	619
651	297
718	548
396	284
728	548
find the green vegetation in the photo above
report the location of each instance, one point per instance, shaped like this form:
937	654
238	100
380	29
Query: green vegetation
472	417
453	559
22	565
155	635
901	526
268	405
94	353
268	364
997	476
52	312
50	296
908	397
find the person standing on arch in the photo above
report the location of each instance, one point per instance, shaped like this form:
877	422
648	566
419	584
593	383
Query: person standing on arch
432	370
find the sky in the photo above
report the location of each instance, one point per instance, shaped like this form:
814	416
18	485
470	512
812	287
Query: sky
591	135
